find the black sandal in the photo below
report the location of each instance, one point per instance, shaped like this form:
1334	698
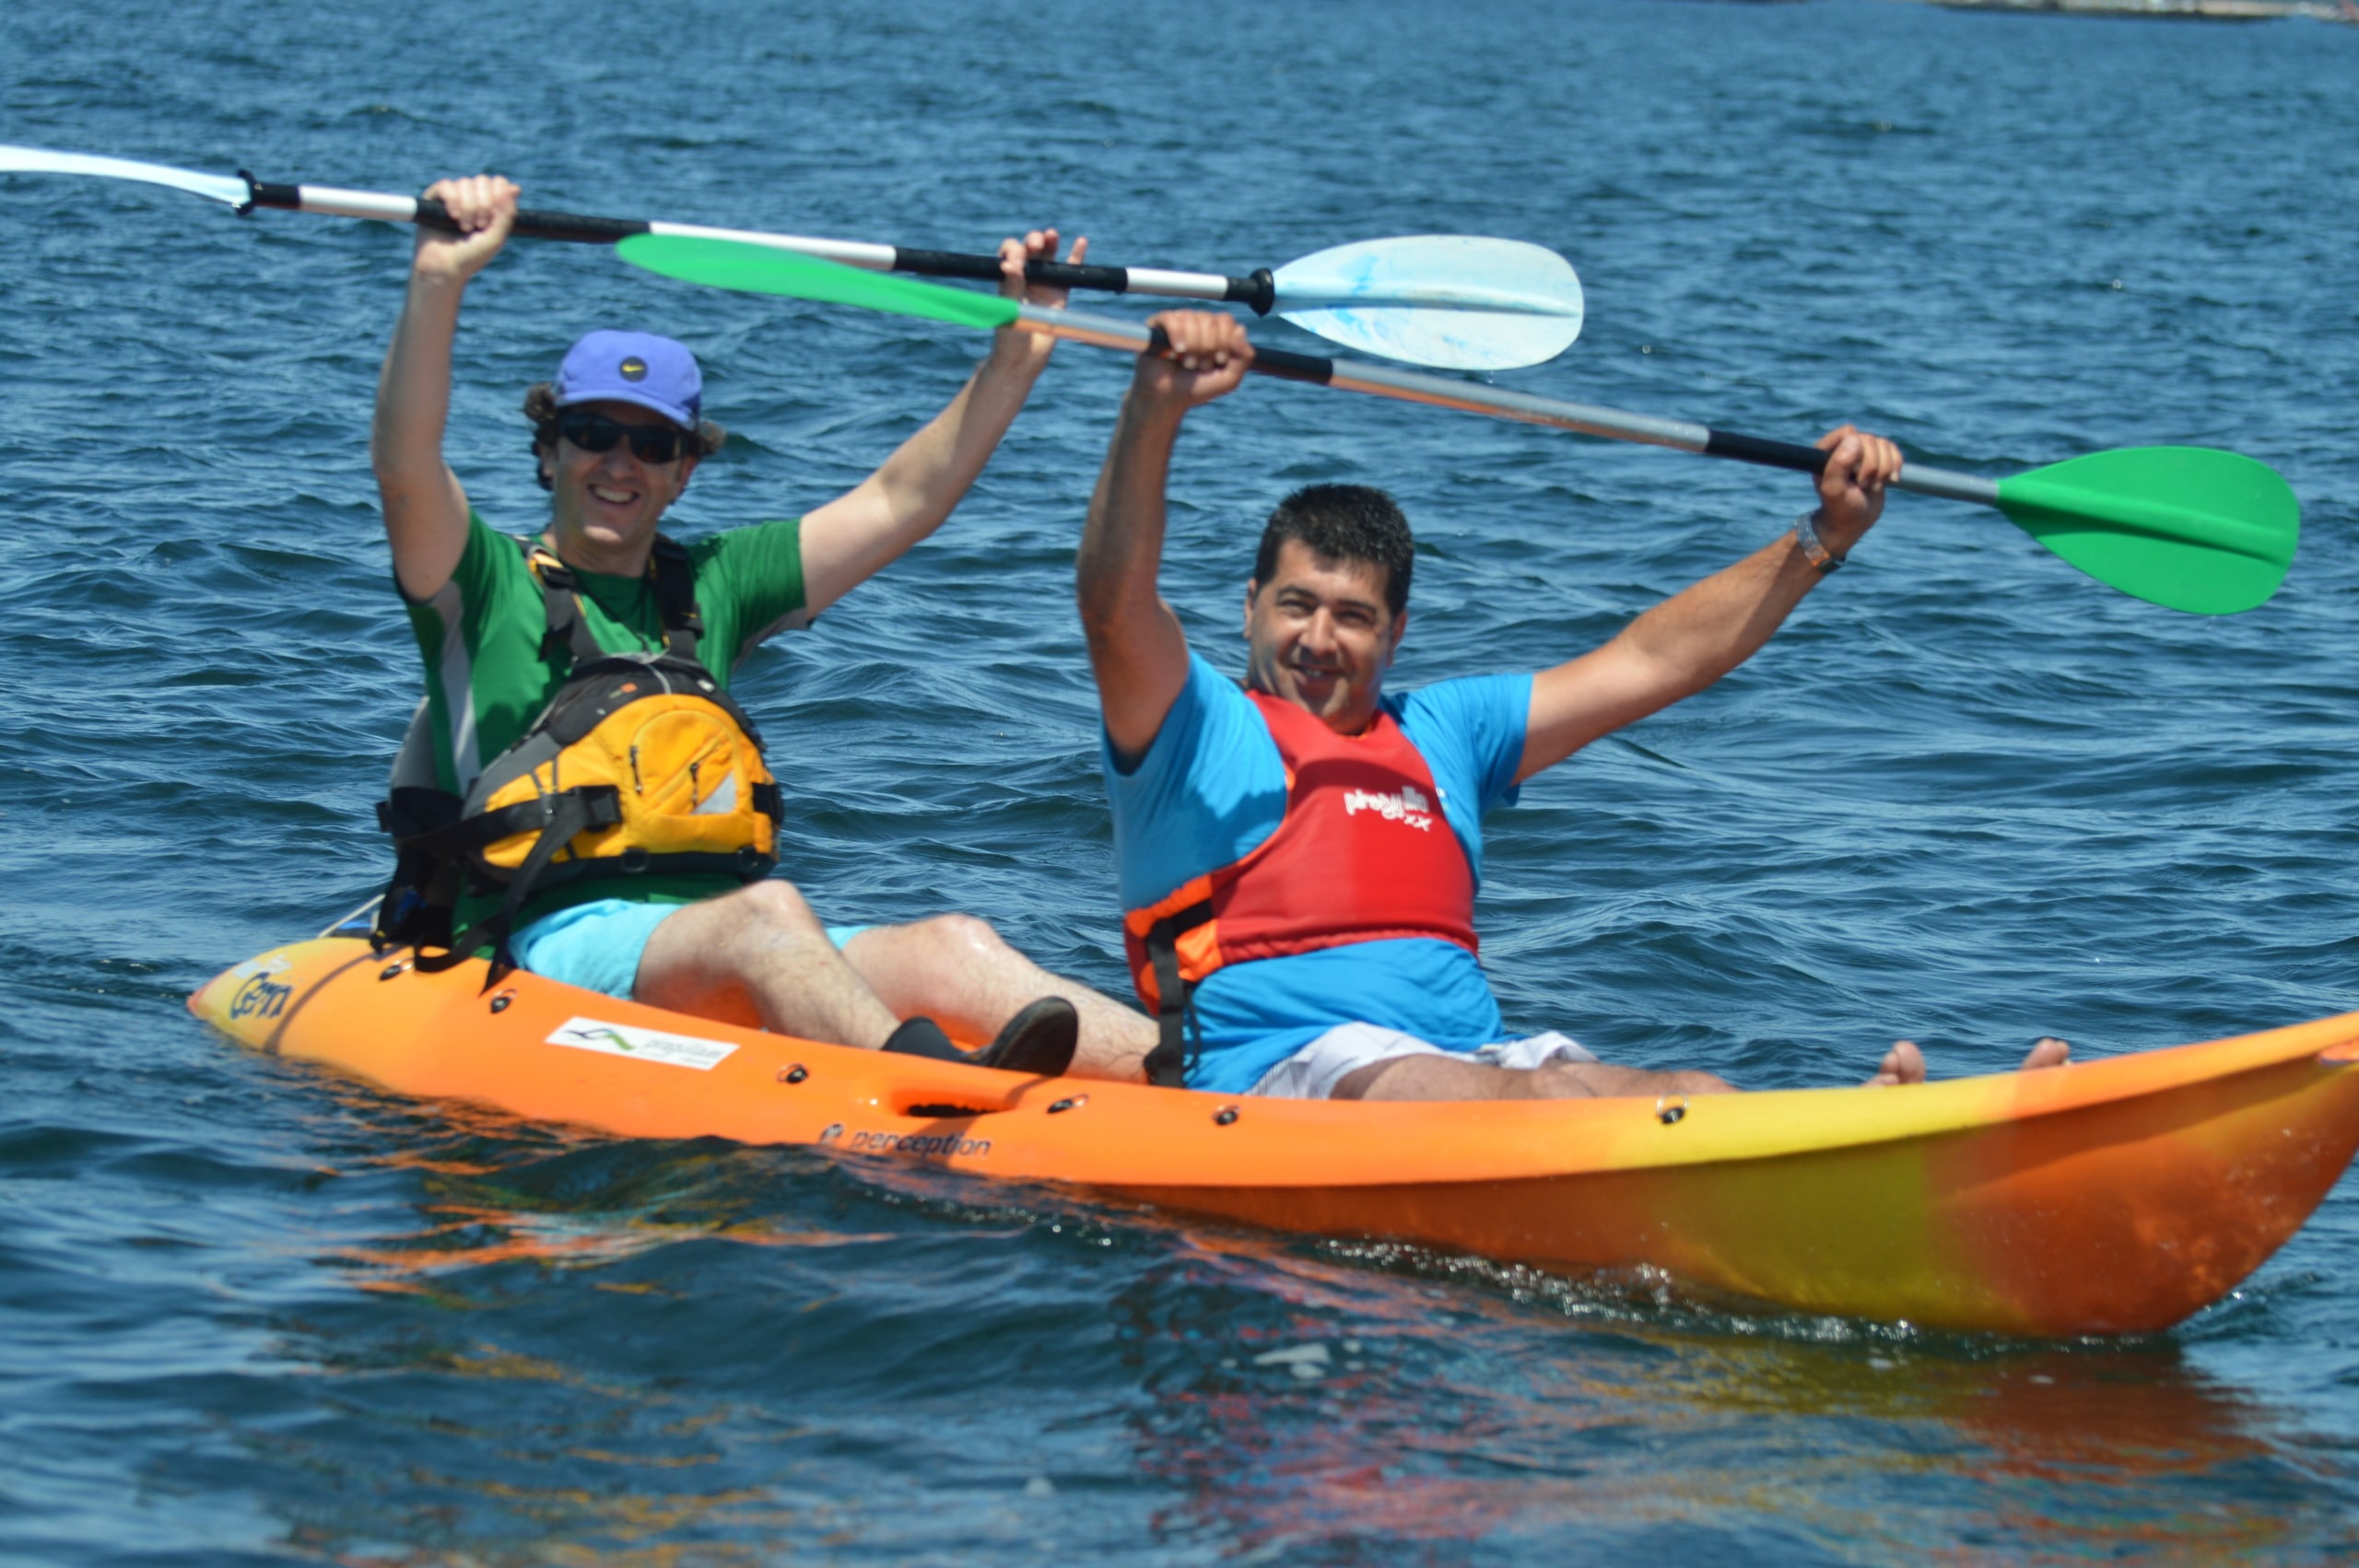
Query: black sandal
1040	1041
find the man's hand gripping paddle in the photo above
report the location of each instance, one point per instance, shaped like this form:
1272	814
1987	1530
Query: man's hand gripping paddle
1454	301
2187	527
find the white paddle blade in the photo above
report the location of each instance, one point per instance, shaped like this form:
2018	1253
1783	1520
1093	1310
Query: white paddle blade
1455	301
33	160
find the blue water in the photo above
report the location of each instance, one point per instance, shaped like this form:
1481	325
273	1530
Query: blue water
252	1313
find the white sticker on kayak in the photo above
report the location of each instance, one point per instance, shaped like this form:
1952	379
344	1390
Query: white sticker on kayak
643	1045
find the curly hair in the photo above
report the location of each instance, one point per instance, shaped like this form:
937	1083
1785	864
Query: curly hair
540	407
1342	522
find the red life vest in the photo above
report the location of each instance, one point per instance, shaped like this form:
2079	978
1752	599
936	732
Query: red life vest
1363	854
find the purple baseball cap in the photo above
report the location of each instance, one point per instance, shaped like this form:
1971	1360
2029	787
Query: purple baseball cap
633	367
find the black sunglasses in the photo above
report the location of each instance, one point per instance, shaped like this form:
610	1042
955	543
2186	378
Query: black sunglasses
596	433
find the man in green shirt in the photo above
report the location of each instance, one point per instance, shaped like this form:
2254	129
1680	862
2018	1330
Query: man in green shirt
617	437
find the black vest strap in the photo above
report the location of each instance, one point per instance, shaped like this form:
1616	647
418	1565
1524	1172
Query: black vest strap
415	908
568	628
676	596
561	816
668	567
1180	1038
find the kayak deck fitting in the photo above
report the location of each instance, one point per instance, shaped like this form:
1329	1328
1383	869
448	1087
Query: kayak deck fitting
2116	1196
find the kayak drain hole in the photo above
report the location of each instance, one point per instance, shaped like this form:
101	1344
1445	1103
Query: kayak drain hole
499	1003
1226	1116
947	1110
794	1074
1072	1103
390	970
1668	1111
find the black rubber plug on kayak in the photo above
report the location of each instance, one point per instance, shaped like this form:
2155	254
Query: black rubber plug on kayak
1041	1040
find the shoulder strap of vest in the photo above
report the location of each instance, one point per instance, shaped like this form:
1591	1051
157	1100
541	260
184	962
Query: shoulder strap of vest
676	595
669	566
568	628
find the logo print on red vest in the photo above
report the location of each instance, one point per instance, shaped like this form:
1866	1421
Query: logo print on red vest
1406	804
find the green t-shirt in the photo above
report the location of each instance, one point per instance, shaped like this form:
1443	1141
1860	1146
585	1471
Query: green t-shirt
487	679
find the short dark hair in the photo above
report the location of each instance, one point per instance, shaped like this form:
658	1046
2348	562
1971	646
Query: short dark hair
1342	522
540	407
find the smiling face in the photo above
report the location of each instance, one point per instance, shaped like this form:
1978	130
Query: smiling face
605	507
1319	636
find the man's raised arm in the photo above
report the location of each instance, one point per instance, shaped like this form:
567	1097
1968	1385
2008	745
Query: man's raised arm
1696	636
425	510
1136	646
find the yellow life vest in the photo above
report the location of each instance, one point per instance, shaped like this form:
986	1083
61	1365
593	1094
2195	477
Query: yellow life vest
639	763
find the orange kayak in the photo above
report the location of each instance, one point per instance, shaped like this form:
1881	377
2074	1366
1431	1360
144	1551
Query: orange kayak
2108	1197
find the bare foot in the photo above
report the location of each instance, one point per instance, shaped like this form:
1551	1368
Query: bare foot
2047	1051
1906	1064
1902	1064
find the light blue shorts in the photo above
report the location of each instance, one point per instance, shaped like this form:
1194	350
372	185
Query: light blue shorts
597	945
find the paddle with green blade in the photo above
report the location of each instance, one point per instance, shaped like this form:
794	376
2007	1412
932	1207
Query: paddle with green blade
2187	527
1454	301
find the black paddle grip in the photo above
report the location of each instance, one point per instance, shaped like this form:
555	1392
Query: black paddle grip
1769	454
985	269
572	226
1065	274
947	264
1284	365
584	231
1291	367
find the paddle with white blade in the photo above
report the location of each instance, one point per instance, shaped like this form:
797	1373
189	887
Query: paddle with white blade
2187	527
1456	303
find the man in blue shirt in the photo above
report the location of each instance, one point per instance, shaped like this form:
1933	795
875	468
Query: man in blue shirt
1299	858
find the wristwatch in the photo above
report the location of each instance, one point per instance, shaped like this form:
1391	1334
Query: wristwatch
1814	548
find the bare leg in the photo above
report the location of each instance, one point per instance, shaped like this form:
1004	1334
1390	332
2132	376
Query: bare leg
1447	1078
956	970
1450	1078
758	955
1906	1064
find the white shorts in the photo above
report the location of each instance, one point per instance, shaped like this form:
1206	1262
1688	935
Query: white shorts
1312	1072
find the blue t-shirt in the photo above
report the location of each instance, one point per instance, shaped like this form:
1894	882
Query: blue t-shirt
1212	787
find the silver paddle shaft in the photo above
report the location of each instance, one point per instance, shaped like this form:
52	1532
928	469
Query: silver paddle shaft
1441	391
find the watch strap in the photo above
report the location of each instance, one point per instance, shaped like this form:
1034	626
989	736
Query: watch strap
1814	548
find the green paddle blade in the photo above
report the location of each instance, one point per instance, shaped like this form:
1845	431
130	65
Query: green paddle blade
2185	527
760	269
